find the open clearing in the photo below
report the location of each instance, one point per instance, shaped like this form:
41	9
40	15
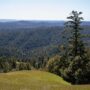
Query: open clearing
36	80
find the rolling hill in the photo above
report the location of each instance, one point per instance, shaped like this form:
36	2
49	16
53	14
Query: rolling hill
35	80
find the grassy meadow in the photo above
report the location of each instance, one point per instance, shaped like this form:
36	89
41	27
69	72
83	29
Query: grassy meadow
36	80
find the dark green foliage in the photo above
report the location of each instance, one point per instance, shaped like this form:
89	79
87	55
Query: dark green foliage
28	66
40	62
22	66
56	64
74	64
6	64
26	43
32	39
76	72
12	64
76	57
6	67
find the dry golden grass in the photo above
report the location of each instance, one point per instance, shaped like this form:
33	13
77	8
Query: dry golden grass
36	80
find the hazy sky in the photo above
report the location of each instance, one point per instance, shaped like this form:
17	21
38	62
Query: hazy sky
42	9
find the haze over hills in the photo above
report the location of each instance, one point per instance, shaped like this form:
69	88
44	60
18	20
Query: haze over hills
29	24
9	23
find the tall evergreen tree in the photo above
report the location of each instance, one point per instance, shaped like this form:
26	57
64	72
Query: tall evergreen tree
74	63
76	44
75	57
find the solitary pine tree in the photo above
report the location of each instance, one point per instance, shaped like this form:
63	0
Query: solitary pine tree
75	67
74	64
76	43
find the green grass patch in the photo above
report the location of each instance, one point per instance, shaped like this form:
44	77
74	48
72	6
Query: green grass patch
36	80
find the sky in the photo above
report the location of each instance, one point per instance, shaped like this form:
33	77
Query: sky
42	9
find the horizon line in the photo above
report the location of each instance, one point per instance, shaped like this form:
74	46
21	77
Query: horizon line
37	20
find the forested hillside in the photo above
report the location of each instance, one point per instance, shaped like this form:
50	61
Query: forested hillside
27	39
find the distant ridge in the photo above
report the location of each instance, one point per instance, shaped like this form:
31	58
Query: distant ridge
7	23
8	20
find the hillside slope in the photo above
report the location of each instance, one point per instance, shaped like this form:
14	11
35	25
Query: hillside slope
35	80
24	39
